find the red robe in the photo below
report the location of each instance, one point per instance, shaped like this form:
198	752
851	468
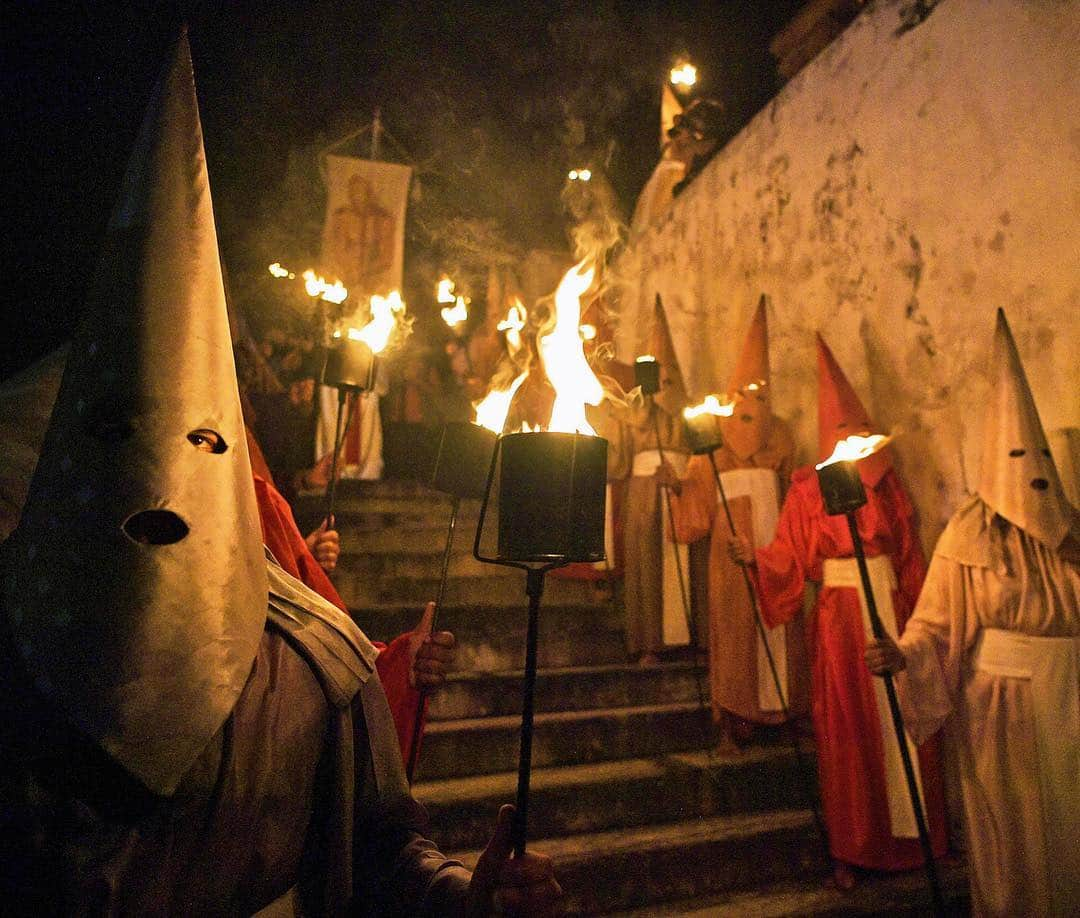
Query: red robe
851	767
282	536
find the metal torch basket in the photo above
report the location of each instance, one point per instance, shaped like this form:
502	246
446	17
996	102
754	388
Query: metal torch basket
547	492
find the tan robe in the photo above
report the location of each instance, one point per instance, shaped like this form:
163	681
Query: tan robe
1023	831
643	525
739	676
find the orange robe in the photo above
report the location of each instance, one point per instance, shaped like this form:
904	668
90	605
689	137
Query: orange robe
739	677
851	749
282	536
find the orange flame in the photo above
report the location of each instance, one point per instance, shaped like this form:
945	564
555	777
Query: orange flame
316	286
387	316
563	357
456	314
711	405
444	290
512	325
492	409
854	448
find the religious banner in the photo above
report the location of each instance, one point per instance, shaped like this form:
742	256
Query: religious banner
363	246
364	234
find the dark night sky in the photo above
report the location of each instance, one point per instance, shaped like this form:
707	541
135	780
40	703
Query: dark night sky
467	88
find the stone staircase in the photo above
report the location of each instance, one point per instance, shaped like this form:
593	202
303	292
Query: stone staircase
629	796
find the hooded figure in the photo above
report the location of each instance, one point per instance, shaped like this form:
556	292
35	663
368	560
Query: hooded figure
755	464
124	504
993	649
864	796
185	728
655	568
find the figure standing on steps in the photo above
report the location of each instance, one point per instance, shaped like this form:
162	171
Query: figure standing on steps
185	728
653	592
993	649
864	796
755	463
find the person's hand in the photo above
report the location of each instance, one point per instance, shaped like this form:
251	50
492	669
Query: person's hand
503	885
431	656
884	656
325	545
668	477
740	550
318	477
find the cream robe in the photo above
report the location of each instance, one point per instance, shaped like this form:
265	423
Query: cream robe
1023	827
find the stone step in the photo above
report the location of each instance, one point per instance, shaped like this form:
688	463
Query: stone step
491	638
621	869
473	694
501	587
901	894
486	745
607	795
415	564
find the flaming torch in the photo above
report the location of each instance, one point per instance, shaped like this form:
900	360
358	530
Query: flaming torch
550	493
350	367
703	434
461	465
843	493
647	377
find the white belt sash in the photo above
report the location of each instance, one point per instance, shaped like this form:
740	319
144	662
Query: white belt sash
1052	666
762	487
674	614
844	572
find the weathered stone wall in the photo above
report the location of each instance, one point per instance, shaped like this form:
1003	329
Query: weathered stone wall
897	192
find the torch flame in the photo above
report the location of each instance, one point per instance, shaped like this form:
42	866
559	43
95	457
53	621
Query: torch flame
564	360
854	448
444	290
278	271
512	325
492	409
712	405
387	313
685	74
316	286
456	314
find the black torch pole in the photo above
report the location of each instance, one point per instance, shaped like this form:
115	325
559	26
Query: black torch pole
339	439
414	744
898	722
534	587
756	611
687	610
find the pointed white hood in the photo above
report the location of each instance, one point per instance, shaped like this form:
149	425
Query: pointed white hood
1018	478
136	586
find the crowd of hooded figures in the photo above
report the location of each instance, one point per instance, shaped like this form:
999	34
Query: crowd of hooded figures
191	722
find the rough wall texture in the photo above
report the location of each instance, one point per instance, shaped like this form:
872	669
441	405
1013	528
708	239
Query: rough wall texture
902	187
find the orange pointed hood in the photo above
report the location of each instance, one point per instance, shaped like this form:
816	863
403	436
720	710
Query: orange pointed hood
841	414
747	430
672	395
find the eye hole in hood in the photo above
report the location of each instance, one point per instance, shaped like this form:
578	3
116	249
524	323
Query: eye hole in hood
155	527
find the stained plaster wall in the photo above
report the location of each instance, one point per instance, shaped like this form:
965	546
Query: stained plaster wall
898	191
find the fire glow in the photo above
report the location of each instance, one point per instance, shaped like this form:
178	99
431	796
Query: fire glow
317	287
563	357
513	325
854	448
684	74
492	409
710	406
387	315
